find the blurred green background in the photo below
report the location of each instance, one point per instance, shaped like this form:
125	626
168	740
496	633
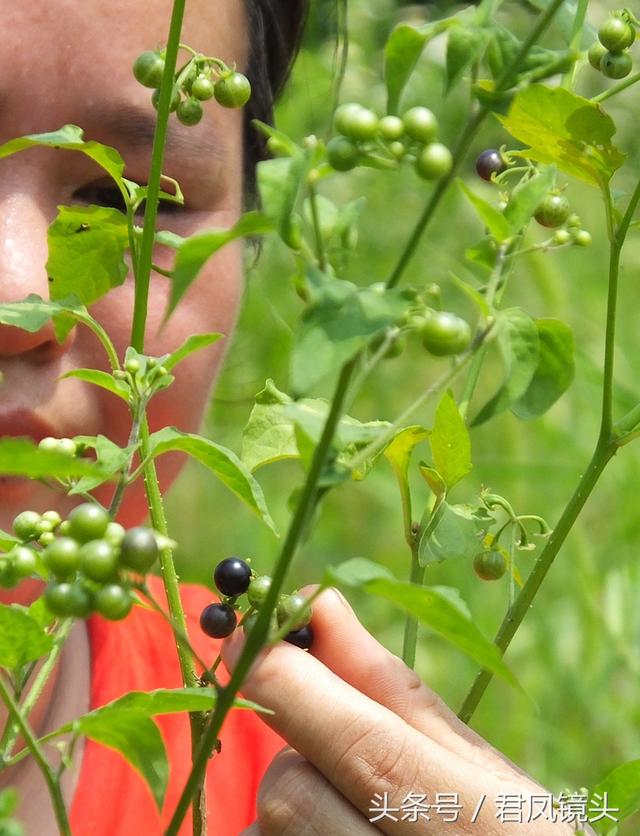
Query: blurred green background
577	651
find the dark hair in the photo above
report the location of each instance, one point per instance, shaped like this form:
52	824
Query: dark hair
275	30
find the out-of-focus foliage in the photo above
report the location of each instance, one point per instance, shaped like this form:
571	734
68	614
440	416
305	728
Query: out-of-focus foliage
577	653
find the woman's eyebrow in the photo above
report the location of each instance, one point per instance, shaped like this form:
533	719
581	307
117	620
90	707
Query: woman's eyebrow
135	127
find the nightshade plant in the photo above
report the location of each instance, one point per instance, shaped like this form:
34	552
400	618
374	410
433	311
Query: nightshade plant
90	563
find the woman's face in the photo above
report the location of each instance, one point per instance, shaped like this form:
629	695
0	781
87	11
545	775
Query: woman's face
69	62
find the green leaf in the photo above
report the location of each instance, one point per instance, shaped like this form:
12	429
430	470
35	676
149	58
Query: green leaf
355	573
491	217
520	348
138	740
102	379
86	252
222	462
554	372
450	442
622	788
398	451
458	533
22	638
7	541
193	252
280	182
464	44
438	608
126	726
402	51
69	138
440	612
22	457
269	435
339	322
194	343
111	458
526	197
566	130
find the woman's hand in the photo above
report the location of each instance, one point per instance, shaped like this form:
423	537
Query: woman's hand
373	750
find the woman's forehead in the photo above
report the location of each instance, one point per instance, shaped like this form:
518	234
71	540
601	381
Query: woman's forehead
121	28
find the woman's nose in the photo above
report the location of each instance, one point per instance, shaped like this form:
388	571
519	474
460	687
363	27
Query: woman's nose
24	220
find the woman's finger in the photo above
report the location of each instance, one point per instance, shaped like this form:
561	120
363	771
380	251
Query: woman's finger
294	799
344	646
362	748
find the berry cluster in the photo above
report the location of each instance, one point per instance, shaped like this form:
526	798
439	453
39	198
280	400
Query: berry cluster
362	137
86	558
234	577
553	211
610	53
199	80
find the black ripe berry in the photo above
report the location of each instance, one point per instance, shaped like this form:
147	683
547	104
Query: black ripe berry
218	620
302	638
232	576
489	163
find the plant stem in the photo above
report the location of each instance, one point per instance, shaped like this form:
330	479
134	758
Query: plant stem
172	589
411	622
49	775
313	202
616	88
255	639
602	454
606	448
123	481
143	266
11	731
470	129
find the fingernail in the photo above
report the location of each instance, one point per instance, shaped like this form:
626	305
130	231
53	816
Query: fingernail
340	597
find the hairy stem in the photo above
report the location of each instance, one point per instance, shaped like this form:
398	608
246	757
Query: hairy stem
48	773
256	638
172	589
11	731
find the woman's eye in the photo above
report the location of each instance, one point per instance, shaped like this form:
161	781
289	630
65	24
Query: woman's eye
110	196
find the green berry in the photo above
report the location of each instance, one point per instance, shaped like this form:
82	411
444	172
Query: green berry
202	88
88	521
342	154
113	601
391	128
139	549
561	236
445	333
233	90
98	560
258	589
552	211
62	556
596	54
434	161
26	525
421	124
356	122
582	238
24	561
189	111
616	64
155	100
288	606
616	34
490	565
68	600
148	68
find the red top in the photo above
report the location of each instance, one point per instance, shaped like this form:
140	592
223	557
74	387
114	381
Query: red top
138	654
